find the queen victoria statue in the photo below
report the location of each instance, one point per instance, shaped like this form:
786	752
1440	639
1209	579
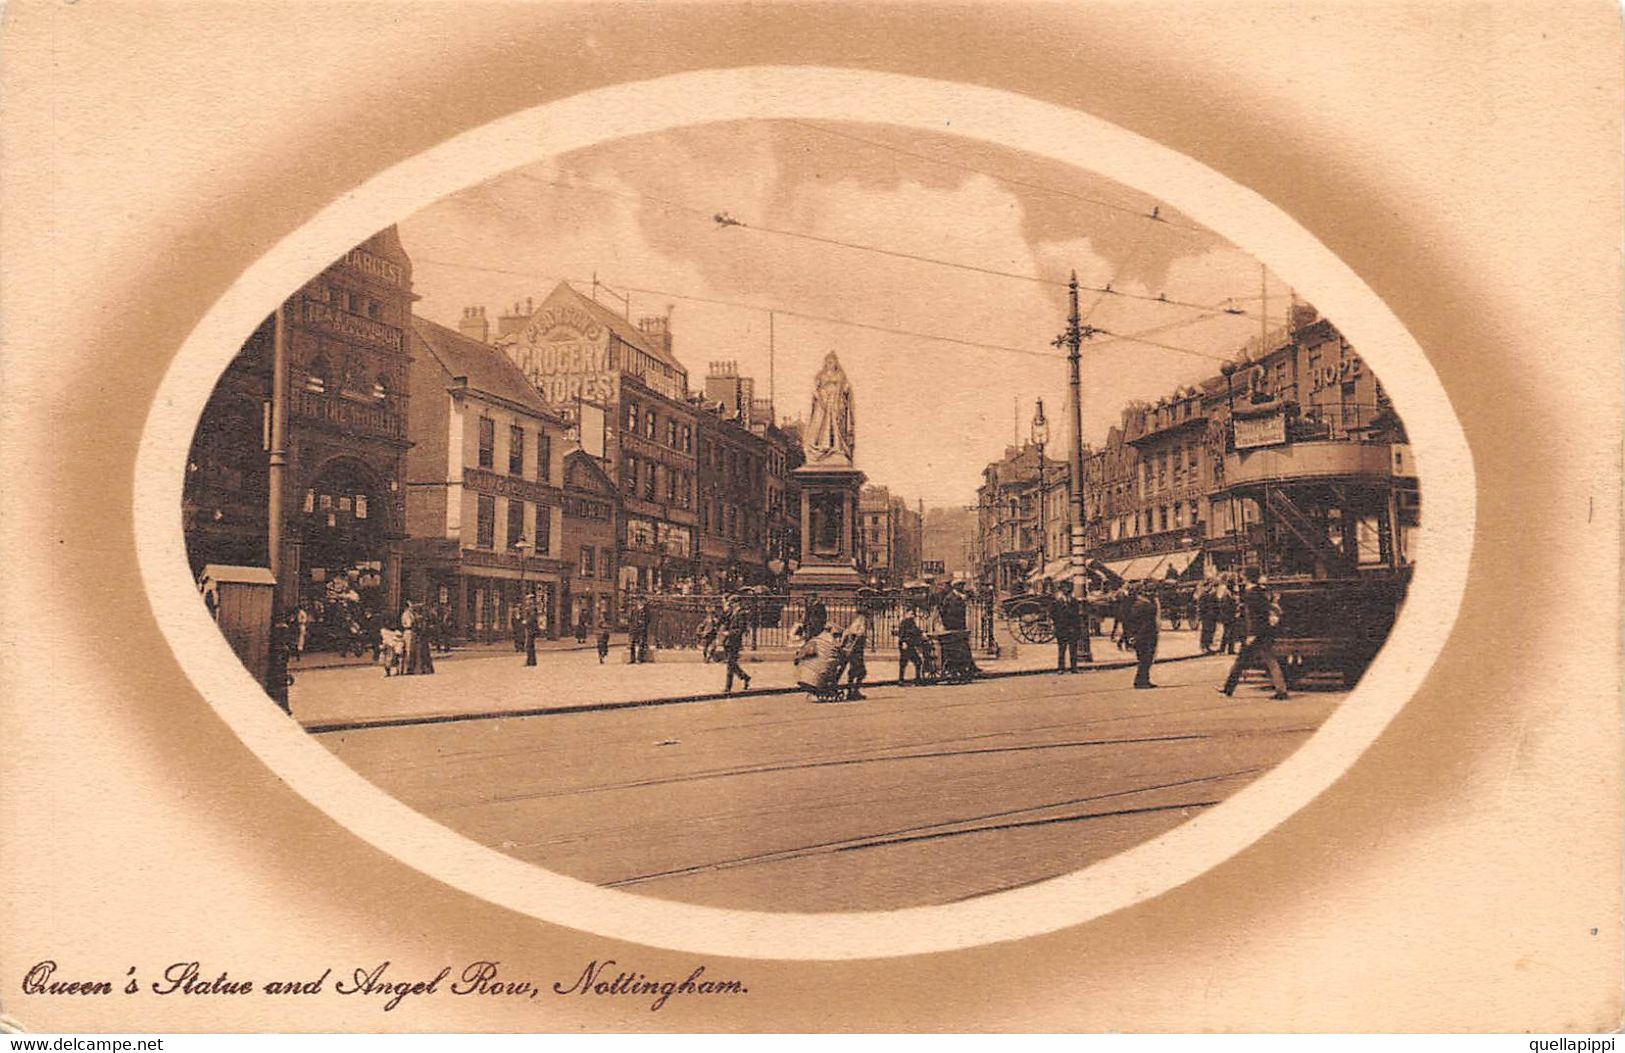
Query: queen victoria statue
829	484
831	427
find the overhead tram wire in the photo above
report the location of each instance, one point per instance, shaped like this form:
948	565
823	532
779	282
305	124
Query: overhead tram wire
725	220
1012	180
830	319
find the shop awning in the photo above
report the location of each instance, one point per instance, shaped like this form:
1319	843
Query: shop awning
1054	570
1133	569
1175	564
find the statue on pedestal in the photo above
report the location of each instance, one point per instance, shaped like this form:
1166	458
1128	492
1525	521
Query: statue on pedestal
831	427
829	484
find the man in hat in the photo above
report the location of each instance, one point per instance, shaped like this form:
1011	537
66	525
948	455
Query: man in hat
1066	619
732	631
1142	626
1259	610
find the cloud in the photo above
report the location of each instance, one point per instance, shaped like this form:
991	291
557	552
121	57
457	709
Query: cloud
931	413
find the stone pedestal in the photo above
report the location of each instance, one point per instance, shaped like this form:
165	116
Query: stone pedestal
829	529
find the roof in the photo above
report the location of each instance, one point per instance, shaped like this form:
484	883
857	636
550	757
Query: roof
487	370
579	461
623	329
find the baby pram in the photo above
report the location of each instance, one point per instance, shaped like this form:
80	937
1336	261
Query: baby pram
954	662
819	664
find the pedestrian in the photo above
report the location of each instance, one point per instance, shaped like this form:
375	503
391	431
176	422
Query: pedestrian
1120	609
582	625
302	620
1261	613
1229	617
603	644
911	648
410	633
516	625
1207	614
733	642
531	627
1142	626
1063	618
854	640
637	635
706	635
815	619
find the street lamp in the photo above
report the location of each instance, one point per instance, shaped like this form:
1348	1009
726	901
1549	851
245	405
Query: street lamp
521	545
1229	371
1040	436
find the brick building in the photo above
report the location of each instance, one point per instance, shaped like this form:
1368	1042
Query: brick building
344	513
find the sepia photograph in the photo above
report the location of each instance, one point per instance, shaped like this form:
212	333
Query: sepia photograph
802	516
618	519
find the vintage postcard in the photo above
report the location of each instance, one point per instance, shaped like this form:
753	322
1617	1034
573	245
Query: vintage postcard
541	518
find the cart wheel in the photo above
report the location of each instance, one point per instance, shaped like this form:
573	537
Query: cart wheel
1035	627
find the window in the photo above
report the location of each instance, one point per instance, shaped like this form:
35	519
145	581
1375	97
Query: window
1179	515
516	521
671	485
380	388
316	379
1162	517
649	481
516	450
632	417
688	439
544	456
649	424
603	564
488	442
589	561
629	475
733	522
671	434
486	528
544	530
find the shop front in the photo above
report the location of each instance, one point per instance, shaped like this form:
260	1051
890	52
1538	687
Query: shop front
494	588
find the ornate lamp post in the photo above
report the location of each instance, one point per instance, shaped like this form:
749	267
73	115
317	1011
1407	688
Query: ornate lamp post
1040	437
1076	333
1229	371
521	545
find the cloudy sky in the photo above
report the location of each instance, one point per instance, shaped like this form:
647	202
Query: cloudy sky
931	412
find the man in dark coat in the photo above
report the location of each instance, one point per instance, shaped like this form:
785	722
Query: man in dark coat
1258	608
529	627
910	648
1066	619
637	632
1207	614
1141	626
1229	617
735	622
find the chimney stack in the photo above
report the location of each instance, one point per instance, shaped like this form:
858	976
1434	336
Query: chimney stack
474	326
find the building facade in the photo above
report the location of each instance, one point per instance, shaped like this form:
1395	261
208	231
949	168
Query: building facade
591	512
345	334
575	351
889	538
484	501
1013	503
1291	454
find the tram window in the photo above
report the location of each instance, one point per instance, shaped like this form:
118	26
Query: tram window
1368	540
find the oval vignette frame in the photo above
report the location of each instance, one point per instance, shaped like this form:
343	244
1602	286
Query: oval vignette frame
1444	540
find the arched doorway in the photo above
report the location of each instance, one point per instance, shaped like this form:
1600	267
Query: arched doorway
344	552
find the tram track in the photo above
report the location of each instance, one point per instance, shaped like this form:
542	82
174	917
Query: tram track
988	822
